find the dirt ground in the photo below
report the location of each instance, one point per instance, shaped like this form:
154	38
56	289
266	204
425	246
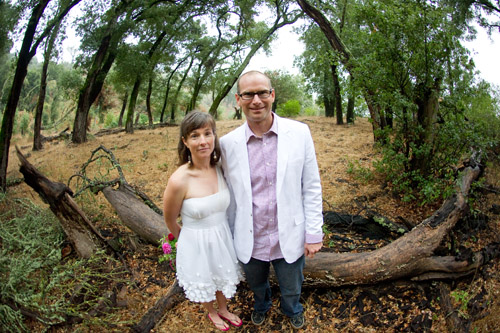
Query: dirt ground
148	157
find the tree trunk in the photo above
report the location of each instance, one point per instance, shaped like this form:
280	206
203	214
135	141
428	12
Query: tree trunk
328	98
176	96
148	101
23	61
165	101
338	97
79	230
129	119
103	59
168	301
122	111
329	106
37	135
428	107
129	126
410	256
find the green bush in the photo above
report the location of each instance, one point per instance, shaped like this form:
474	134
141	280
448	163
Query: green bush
33	275
290	109
310	111
111	121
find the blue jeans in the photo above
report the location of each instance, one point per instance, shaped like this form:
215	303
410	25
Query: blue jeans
290	278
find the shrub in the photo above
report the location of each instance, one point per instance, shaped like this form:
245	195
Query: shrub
290	109
33	276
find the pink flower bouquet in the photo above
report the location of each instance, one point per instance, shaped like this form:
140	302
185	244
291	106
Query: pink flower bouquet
168	246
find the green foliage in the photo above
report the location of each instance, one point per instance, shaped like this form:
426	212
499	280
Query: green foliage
289	109
287	87
24	123
469	122
360	172
111	120
462	297
143	119
311	111
33	275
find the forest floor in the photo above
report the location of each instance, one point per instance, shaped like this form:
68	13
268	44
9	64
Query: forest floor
350	185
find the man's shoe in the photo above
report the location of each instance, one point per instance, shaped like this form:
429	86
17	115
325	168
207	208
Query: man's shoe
258	318
297	321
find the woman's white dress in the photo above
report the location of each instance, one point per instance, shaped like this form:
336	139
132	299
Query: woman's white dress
206	260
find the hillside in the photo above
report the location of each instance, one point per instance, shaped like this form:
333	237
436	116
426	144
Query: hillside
148	157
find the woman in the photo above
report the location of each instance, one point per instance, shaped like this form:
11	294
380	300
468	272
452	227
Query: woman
207	267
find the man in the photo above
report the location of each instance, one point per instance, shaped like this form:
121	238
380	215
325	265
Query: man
276	204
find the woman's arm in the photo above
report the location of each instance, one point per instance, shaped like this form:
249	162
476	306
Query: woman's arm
172	202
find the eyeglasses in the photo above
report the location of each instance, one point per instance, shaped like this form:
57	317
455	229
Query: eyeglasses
247	96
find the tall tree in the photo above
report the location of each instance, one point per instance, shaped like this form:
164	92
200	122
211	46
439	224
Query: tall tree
344	56
135	90
49	47
110	36
26	53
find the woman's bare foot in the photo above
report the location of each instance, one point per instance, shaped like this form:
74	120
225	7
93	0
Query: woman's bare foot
231	318
218	322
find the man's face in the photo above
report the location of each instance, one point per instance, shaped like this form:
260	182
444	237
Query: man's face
257	109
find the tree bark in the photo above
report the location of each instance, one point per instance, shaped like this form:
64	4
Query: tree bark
129	118
135	214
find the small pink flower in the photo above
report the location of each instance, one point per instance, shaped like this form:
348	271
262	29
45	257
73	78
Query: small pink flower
171	237
167	248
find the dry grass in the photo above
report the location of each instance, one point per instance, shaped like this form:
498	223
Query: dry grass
148	158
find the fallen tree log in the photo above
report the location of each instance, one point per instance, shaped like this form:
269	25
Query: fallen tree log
62	135
135	214
85	239
409	256
154	314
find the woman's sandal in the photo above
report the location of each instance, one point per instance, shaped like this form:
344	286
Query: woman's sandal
232	322
219	325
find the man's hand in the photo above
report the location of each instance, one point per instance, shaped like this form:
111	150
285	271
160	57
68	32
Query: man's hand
311	249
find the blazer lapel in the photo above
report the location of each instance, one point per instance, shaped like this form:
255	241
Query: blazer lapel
283	152
240	153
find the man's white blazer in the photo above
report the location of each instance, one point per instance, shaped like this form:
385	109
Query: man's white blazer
298	189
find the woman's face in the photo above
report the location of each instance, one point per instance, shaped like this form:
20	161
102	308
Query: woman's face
201	142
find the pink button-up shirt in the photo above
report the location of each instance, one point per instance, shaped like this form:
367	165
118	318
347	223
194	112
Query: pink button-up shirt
263	156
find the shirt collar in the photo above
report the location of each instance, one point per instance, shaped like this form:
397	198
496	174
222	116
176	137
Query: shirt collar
249	133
